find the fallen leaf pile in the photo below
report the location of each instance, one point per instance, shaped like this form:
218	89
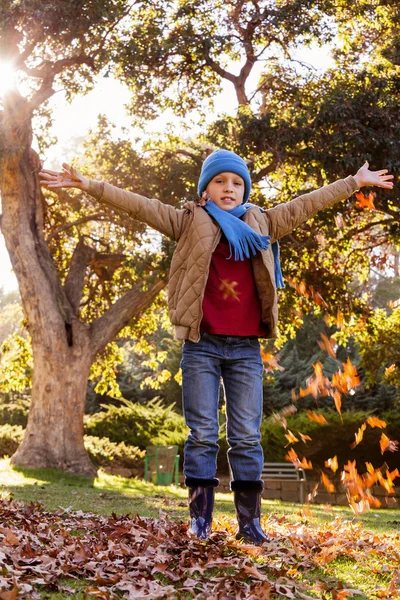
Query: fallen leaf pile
145	558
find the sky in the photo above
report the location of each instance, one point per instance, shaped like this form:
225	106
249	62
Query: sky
72	122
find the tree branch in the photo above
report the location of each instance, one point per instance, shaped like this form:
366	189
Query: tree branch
92	217
131	305
48	73
74	281
356	231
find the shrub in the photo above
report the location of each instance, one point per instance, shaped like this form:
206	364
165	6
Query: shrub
137	424
10	438
14	408
104	452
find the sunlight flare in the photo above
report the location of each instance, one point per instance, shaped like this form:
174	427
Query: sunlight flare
7	77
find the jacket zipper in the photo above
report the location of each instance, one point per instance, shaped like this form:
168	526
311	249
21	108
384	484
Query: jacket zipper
216	242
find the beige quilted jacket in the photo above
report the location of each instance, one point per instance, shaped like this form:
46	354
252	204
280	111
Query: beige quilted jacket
197	236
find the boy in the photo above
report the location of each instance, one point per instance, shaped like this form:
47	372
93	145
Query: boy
221	299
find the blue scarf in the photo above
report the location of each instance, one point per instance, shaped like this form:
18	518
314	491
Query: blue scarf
242	239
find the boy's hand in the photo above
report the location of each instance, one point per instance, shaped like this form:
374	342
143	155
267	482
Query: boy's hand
378	178
69	177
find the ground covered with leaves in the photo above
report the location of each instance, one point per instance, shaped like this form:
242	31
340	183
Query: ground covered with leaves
66	554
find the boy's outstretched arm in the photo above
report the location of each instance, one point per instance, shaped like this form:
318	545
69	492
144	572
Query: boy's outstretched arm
283	218
162	217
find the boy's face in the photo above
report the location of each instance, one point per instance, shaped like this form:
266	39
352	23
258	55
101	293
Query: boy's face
226	190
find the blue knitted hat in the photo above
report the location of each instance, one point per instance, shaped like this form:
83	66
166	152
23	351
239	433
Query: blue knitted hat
222	161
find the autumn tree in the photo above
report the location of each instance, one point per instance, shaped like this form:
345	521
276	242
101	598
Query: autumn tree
52	46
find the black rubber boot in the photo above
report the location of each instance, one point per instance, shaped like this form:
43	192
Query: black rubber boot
201	504
247	495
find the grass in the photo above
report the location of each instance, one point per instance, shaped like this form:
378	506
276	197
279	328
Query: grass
108	494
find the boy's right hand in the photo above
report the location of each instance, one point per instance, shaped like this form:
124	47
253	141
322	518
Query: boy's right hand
68	178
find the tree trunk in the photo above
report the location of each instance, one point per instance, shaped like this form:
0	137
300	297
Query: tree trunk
54	434
63	347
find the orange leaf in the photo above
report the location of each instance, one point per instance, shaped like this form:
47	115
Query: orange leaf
291	456
365	201
390	370
304	438
317	418
306	464
327	345
270	359
338	402
327	483
292	439
375	422
359	436
387	444
332	463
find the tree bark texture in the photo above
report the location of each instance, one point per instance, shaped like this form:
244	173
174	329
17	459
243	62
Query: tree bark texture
63	347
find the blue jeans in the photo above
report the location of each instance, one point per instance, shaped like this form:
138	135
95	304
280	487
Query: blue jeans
237	360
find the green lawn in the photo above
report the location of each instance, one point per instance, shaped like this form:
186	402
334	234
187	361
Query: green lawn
349	554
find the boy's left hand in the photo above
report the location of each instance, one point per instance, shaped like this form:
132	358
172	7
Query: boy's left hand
378	178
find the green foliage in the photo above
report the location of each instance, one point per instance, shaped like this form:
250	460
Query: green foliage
10	438
378	339
16	364
104	452
196	40
137	424
14	408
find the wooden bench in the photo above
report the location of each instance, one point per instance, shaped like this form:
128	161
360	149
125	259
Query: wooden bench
285	472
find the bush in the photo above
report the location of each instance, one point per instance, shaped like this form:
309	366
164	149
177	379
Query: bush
138	425
10	438
104	452
14	408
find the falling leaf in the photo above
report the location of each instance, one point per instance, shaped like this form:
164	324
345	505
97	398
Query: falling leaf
387	444
292	439
389	370
332	463
327	483
318	418
365	201
375	422
291	456
271	360
327	345
359	435
338	402
304	437
306	464
228	289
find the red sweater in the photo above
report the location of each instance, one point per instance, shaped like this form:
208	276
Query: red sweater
231	305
